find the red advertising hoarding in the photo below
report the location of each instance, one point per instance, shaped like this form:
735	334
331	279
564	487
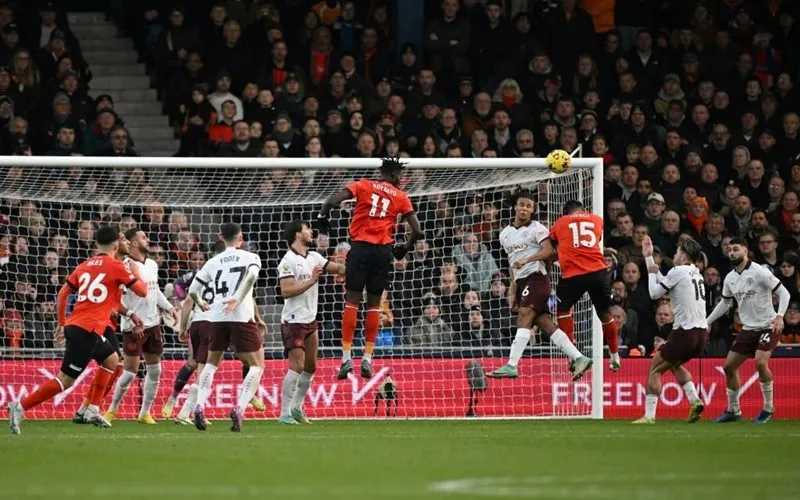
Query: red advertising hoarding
438	388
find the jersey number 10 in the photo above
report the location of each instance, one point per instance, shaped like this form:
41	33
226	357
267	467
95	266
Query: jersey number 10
583	234
384	206
699	289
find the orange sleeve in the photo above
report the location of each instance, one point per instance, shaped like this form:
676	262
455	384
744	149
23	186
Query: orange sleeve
129	276
138	287
355	188
61	304
554	231
405	205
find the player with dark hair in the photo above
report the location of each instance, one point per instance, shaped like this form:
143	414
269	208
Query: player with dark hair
146	340
379	202
194	329
224	288
752	286
530	289
299	272
98	281
578	235
110	335
687	294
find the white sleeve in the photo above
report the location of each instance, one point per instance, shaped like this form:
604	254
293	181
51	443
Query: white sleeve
727	293
203	276
541	234
255	260
659	287
285	268
769	280
320	260
161	300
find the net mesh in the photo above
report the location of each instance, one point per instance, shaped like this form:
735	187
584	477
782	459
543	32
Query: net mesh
428	360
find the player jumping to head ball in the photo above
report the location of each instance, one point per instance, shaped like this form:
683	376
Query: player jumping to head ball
530	289
379	202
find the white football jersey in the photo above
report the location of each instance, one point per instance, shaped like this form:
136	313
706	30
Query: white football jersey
144	307
752	290
687	296
522	242
300	308
221	277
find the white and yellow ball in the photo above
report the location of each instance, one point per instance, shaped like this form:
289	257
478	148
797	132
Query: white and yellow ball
558	161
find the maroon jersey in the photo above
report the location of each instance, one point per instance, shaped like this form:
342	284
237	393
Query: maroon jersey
378	203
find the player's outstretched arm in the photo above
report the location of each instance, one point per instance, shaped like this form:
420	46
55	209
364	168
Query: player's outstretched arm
322	224
719	311
416	234
335	268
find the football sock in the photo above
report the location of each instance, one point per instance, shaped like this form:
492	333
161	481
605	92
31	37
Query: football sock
150	388
181	379
99	383
121	388
249	387
650	403
113	382
42	394
691	392
766	391
733	401
303	384
190	403
204	383
349	320
560	339
567	324
611	334
518	345
287	392
371	325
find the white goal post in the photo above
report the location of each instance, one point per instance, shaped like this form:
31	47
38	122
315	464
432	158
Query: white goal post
434	341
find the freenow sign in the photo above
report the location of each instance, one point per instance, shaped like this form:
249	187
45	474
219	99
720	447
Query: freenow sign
437	388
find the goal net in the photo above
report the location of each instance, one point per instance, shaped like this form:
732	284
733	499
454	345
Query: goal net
445	318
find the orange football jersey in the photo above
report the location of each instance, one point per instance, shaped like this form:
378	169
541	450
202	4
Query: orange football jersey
578	236
378	203
97	282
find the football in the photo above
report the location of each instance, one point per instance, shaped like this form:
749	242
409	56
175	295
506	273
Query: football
558	161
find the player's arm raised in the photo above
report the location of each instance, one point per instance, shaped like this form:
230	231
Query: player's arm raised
335	268
654	278
322	224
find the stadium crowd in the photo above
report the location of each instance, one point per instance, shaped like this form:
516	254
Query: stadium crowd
693	106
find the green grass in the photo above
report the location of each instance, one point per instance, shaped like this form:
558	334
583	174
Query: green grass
404	460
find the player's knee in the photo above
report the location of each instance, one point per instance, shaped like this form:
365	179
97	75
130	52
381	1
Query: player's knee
310	367
66	380
525	317
730	369
762	364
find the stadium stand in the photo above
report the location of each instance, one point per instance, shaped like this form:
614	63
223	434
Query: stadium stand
693	106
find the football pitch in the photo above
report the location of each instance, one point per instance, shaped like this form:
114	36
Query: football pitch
404	460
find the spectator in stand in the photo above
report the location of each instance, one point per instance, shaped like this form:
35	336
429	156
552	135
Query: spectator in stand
430	330
119	145
222	94
242	146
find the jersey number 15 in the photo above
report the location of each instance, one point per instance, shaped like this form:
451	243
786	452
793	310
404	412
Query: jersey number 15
583	234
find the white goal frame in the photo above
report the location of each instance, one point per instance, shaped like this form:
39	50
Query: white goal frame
594	164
